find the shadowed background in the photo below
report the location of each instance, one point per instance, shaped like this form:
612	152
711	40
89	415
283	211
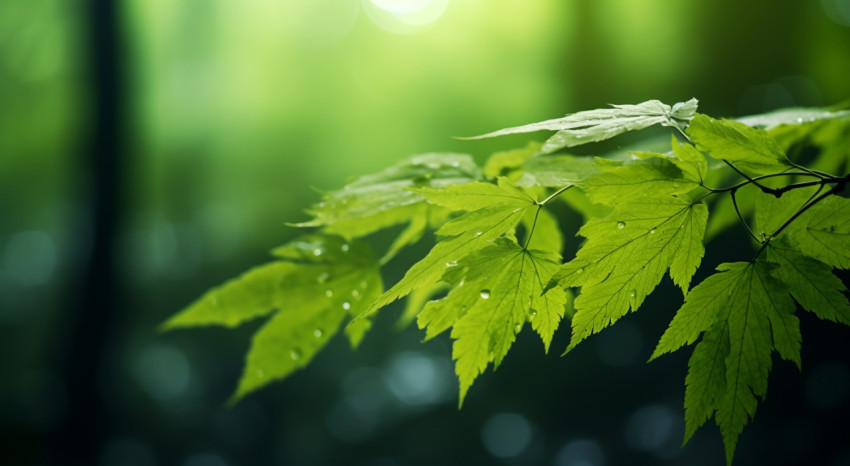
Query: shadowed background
150	150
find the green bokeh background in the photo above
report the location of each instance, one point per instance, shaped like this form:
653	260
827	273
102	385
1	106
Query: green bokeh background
234	114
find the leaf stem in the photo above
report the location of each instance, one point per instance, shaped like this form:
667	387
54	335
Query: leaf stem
533	226
537	213
842	183
555	194
741	217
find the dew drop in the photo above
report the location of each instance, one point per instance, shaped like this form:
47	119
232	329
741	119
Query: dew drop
652	232
329	293
455	164
478	233
581	270
317	252
632	294
532	315
518	327
799	120
295	354
451	264
346	305
621	225
485	294
344	248
322	278
355	293
363	284
318	333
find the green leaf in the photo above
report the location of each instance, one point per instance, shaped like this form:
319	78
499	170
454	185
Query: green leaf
690	161
626	255
322	280
601	124
381	200
793	116
746	313
547	234
823	231
556	171
500	291
705	384
507	162
811	283
493	211
771	211
747	147
642	178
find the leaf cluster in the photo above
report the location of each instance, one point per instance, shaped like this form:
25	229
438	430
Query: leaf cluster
496	267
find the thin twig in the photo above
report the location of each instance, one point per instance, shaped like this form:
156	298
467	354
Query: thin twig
741	217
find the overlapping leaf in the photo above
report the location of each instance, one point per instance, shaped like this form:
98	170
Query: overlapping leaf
601	124
497	290
735	142
320	281
746	314
823	232
373	202
492	211
621	183
627	254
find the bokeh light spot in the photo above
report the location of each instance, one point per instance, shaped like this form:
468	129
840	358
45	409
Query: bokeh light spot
580	453
163	372
506	435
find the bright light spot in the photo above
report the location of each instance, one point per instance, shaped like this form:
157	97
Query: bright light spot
162	372
29	258
506	435
580	453
650	428
416	379
404	16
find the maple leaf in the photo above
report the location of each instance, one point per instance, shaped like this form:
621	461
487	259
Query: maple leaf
498	290
319	281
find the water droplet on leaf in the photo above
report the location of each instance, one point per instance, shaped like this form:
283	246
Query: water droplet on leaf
346	305
532	315
451	264
345	248
652	232
518	327
318	333
322	278
329	293
485	294
621	225
295	354
355	293
317	252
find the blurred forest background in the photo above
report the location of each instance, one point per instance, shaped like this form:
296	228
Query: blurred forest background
151	149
